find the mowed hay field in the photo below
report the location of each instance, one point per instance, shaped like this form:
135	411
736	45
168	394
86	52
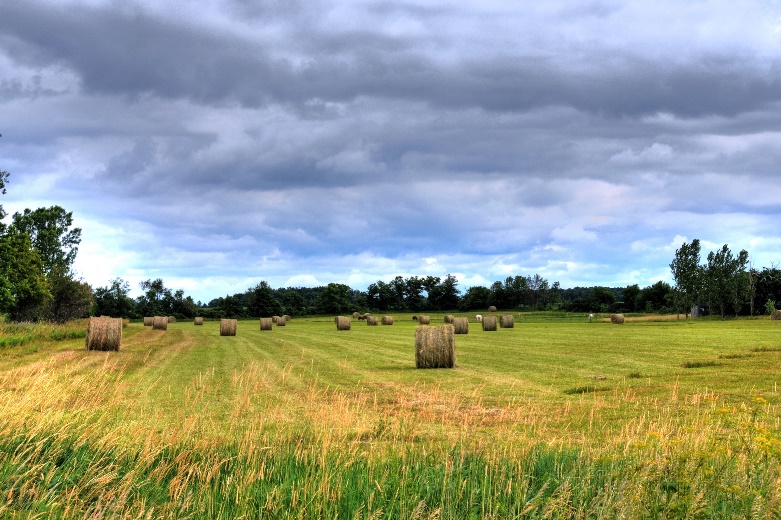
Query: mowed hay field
554	418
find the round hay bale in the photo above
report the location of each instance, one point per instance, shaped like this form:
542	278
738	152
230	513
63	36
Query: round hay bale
171	319
275	319
424	320
342	323
435	347
357	315
461	325
159	323
491	309
281	321
228	327
370	320
148	321
266	323
618	319
489	323
387	320
506	321
287	317
775	315
104	334
448	319
198	320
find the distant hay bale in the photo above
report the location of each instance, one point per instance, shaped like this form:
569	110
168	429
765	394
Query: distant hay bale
370	320
618	319
506	321
448	319
342	323
775	315
148	321
424	320
275	319
364	316
287	317
491	309
104	334
228	327
198	321
387	320
357	315
461	325
281	321
489	323
171	319
160	323
435	347
266	323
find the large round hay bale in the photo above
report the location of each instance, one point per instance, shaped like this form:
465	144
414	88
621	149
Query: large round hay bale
371	320
342	323
424	320
160	323
387	320
775	315
435	347
281	321
357	315
491	309
266	323
506	321
461	325
198	320
171	319
618	319
448	319
228	327
489	323
148	321
104	334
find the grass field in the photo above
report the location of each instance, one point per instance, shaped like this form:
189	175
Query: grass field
554	418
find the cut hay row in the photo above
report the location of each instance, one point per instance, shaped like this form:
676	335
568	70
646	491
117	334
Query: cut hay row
342	322
370	320
148	321
618	319
266	323
506	321
160	323
227	327
489	323
424	320
104	334
435	347
198	321
387	320
775	315
461	325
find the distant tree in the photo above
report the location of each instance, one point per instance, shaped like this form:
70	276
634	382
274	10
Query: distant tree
601	298
71	298
445	295
293	303
475	298
232	307
630	297
183	306
687	274
156	300
114	300
768	285
3	179
723	274
262	302
23	287
336	298
413	294
658	297
51	235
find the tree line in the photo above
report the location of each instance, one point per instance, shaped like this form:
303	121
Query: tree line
37	283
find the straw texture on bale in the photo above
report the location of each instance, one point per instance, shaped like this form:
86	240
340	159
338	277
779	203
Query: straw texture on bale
489	323
435	347
461	325
227	327
148	321
387	320
104	334
775	315
198	320
491	309
449	319
342	323
618	319
281	321
356	315
424	320
171	319
266	323
507	321
371	320
160	323
275	319
287	317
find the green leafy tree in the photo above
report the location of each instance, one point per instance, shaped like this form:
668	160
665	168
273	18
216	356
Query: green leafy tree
475	298
413	294
631	294
23	287
71	298
723	275
156	300
262	302
601	298
445	295
51	235
687	274
114	300
335	298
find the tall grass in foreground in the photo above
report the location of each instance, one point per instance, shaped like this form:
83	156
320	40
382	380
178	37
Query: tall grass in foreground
119	435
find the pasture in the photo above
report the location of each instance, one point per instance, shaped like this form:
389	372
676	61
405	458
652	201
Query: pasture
554	418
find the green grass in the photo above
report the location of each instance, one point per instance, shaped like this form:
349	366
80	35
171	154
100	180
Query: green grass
556	418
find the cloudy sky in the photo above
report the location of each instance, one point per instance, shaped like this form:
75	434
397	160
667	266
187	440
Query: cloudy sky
217	143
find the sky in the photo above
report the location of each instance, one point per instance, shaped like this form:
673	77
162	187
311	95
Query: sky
218	143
